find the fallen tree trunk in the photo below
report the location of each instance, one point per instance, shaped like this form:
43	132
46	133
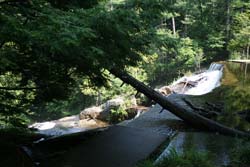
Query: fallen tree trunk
184	112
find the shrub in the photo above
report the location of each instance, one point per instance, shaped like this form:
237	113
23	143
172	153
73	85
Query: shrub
189	158
241	156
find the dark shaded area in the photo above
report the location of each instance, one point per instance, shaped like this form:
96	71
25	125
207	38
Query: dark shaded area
117	146
10	140
228	104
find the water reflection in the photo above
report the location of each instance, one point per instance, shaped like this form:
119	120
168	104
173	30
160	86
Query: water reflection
237	97
218	146
241	71
236	108
232	97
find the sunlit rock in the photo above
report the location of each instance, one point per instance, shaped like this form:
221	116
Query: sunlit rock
90	113
101	112
165	90
43	125
91	123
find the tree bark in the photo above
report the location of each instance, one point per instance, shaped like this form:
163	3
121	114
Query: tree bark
243	53
228	20
200	8
184	112
185	26
173	24
111	5
248	51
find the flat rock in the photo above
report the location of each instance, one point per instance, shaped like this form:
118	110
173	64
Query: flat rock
91	123
118	146
156	120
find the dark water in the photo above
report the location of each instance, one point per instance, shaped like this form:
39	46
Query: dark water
232	99
236	98
241	71
218	147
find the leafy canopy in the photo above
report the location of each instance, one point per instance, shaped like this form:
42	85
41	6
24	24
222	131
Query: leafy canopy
49	46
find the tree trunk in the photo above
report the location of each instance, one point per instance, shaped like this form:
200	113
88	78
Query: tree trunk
173	24
185	25
247	51
99	98
200	8
228	20
243	54
171	104
111	5
246	65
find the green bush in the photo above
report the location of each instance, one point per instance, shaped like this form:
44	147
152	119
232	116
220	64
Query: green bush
189	158
118	115
146	163
240	156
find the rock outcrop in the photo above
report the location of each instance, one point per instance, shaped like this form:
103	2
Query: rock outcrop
102	112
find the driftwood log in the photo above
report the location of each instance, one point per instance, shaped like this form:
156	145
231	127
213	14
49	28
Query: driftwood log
184	112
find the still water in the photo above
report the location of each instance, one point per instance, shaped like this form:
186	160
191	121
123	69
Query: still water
230	97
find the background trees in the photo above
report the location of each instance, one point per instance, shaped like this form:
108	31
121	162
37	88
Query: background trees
48	49
239	44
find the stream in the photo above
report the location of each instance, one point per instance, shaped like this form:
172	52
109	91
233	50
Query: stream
225	81
67	125
207	82
228	82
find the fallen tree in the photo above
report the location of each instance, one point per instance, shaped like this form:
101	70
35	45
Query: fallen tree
174	103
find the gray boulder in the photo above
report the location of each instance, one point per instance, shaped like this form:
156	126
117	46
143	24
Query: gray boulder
90	113
101	112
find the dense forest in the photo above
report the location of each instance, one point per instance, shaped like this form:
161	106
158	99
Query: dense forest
56	55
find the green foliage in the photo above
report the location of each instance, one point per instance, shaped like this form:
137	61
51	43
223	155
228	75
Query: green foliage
239	44
56	109
236	99
241	155
64	4
115	87
14	105
146	163
175	56
118	115
51	47
190	158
